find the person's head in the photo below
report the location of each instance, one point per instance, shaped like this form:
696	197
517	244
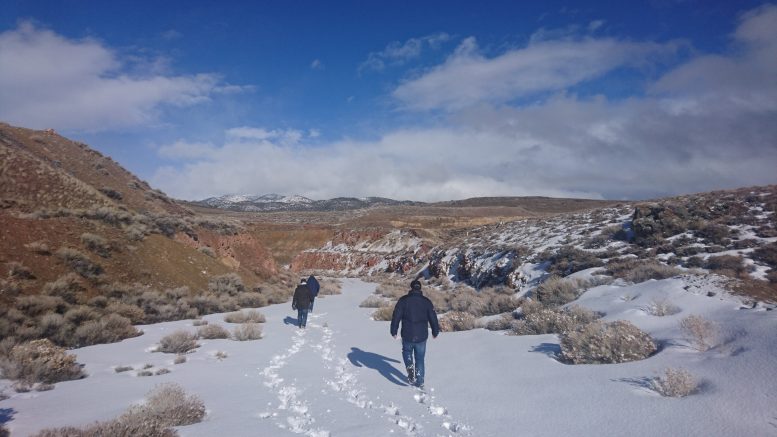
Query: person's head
303	281
415	285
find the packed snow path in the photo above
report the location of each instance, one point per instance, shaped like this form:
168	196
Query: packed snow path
343	376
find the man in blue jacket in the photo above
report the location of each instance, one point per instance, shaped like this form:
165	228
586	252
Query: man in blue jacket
416	313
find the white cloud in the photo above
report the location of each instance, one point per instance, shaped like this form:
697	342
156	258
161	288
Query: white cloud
706	124
184	150
468	78
47	80
317	65
398	53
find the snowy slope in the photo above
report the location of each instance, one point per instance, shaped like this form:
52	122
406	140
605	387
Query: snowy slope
342	376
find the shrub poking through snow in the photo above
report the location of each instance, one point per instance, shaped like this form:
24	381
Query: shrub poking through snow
567	260
247	332
251	300
121	369
457	321
636	271
702	333
166	406
251	316
179	342
559	291
214	331
180	359
330	287
39	361
662	307
108	329
538	319
675	383
199	322
604	343
383	314
220	355
502	323
373	301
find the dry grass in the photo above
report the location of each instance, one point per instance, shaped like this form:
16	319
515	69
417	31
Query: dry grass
636	270
374	302
557	291
662	307
457	321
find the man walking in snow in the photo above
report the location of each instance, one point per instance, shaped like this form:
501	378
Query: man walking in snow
301	302
416	313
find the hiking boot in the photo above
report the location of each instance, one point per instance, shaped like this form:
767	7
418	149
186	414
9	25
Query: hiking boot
411	375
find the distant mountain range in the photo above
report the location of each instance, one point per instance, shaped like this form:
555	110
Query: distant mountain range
277	202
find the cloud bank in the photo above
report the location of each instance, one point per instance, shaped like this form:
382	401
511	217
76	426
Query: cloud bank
47	80
708	122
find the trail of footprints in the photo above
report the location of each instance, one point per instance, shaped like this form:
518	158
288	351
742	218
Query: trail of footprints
345	384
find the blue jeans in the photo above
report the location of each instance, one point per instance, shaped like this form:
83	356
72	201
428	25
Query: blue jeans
302	317
311	304
413	355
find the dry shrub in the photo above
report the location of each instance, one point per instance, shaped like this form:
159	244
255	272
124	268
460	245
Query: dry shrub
162	371
468	301
247	331
766	254
383	314
121	369
503	323
179	342
199	322
211	332
230	284
330	287
132	312
457	321
251	300
251	316
39	248
17	270
702	333
81	314
373	302
108	329
67	287
662	307
675	383
96	244
80	263
166	406
567	260
37	305
180	359
636	271
729	265
39	361
603	343
557	291
392	290
9	288
207	251
539	319
137	231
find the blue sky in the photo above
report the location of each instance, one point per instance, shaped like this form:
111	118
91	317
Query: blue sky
411	100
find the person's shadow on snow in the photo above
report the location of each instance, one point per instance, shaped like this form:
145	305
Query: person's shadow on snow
291	321
371	360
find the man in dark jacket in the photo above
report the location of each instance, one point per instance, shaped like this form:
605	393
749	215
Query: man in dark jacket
416	313
301	302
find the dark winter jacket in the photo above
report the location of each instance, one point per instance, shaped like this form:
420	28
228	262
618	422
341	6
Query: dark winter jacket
416	313
302	297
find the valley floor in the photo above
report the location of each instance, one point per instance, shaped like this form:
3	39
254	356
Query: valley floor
343	376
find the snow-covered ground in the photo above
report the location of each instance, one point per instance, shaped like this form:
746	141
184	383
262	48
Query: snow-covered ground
343	376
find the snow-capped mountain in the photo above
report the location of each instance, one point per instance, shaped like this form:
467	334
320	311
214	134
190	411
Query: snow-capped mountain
277	202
